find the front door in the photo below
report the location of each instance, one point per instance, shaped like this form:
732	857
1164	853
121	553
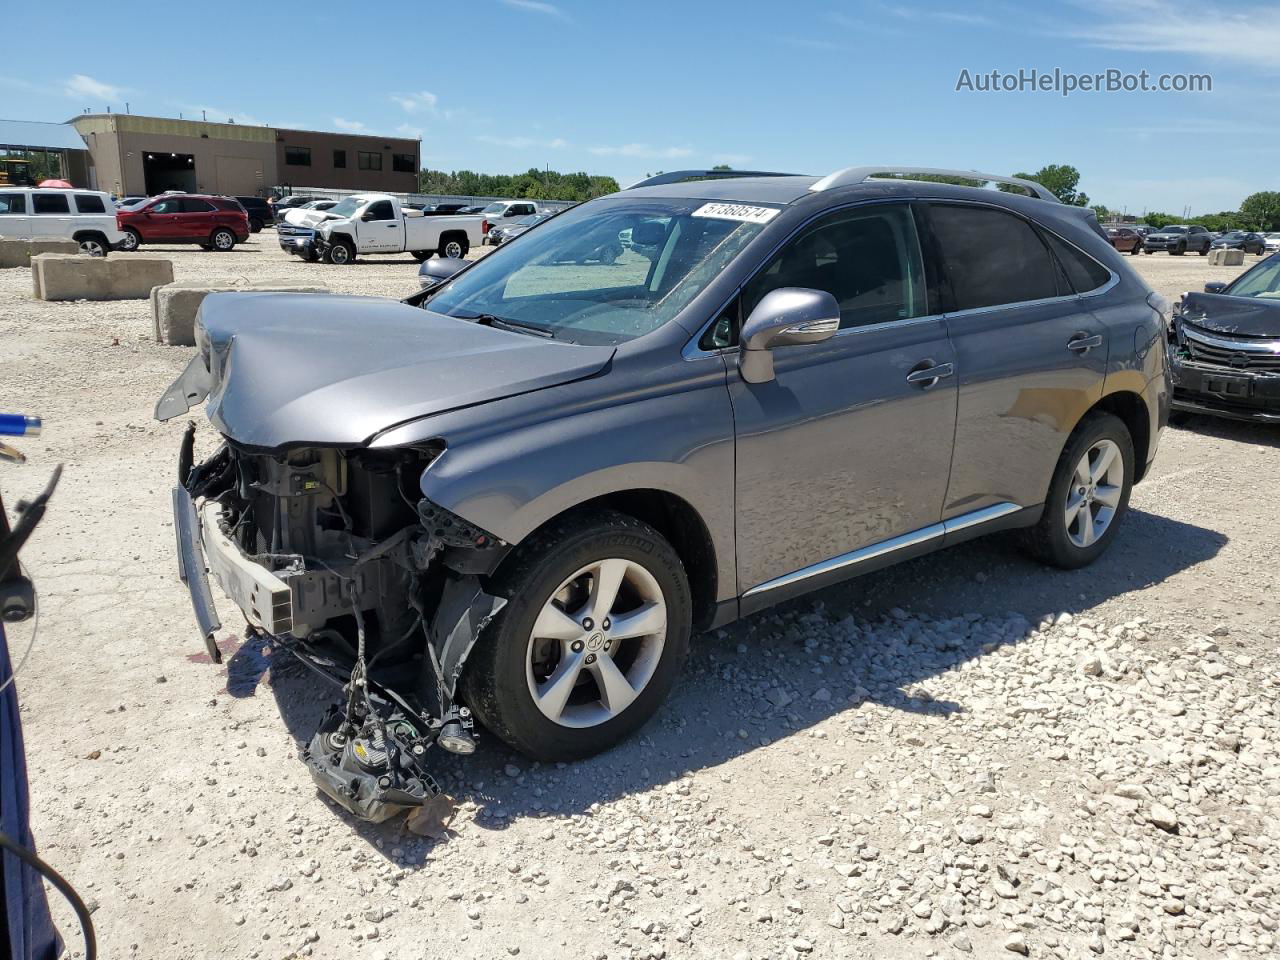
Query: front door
1031	355
378	229
162	221
849	446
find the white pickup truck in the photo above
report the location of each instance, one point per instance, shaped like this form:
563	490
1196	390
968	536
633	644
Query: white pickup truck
367	223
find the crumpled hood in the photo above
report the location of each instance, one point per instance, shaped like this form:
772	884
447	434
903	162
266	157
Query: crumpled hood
291	369
307	218
1241	316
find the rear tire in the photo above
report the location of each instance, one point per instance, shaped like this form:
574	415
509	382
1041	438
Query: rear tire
94	245
132	240
1068	539
454	246
504	681
255	226
222	240
1135	250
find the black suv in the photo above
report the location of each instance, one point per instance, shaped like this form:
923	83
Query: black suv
258	211
1178	239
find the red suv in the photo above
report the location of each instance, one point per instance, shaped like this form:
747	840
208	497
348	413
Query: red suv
216	223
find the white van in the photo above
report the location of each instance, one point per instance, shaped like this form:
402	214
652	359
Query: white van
86	216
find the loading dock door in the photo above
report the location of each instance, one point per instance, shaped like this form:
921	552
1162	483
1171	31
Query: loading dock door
168	171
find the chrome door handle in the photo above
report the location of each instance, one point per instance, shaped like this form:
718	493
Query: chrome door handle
1083	342
926	377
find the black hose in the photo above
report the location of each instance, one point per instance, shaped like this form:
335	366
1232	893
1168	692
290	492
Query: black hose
60	884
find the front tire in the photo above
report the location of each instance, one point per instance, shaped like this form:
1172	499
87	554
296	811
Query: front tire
1204	251
592	638
340	252
1178	251
1088	496
222	240
421	255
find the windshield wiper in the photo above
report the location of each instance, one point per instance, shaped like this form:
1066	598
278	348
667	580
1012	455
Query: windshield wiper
489	320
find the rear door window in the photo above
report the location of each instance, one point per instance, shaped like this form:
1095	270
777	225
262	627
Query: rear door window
990	257
52	203
89	203
194	205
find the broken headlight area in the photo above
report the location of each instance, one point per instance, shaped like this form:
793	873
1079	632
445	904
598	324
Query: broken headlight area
338	559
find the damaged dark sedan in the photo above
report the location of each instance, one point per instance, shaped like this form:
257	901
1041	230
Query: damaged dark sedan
1226	347
513	497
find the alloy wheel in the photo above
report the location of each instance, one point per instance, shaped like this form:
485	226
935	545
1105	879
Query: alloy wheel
1094	493
93	248
223	240
596	643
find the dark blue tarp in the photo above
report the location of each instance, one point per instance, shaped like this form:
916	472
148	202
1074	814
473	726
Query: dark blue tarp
26	920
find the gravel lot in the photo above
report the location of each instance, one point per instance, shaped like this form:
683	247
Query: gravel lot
967	755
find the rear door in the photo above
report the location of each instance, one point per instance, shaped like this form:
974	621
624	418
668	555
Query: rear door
379	230
51	211
1031	355
197	221
15	216
848	446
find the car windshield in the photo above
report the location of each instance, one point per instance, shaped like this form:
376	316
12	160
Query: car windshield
1262	281
1174	230
347	207
495	208
603	273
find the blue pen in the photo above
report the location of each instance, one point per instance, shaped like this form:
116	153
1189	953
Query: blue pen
17	425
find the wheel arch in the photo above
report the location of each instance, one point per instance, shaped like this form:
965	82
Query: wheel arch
682	526
448	235
1132	410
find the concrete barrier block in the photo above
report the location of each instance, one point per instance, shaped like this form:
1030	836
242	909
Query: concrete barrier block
175	305
1226	258
65	277
18	253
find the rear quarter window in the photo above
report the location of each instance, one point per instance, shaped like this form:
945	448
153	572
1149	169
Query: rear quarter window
89	203
1084	272
13	203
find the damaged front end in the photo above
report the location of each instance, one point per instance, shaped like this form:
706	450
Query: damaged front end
336	557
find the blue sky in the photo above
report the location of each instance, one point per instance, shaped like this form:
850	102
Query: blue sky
624	89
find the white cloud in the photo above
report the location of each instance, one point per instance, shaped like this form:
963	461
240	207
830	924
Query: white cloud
216	114
350	126
537	6
1244	34
78	85
523	143
413	102
643	150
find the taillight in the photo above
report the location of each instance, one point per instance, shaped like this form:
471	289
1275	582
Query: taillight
484	226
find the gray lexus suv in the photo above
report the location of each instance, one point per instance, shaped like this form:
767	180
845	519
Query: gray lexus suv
515	496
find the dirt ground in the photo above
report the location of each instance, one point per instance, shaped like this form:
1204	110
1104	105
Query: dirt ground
966	755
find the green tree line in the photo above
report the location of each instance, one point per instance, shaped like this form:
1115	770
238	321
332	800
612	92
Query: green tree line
534	184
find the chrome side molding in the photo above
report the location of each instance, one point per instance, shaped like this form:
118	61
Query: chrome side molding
862	555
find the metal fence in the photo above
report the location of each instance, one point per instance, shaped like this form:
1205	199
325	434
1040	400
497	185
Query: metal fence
414	197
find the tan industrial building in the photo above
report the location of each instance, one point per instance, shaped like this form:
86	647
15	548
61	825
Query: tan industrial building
136	155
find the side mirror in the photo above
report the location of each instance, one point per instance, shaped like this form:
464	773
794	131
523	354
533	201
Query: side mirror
1214	286
783	317
367	216
437	270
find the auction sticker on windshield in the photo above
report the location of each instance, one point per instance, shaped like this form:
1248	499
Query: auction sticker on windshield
736	211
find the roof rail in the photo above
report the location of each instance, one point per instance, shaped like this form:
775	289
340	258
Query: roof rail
679	176
851	175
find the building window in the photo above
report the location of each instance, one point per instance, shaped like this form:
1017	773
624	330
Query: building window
370	161
297	156
404	163
340	159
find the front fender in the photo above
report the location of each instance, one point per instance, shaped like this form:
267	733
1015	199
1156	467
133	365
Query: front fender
511	479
